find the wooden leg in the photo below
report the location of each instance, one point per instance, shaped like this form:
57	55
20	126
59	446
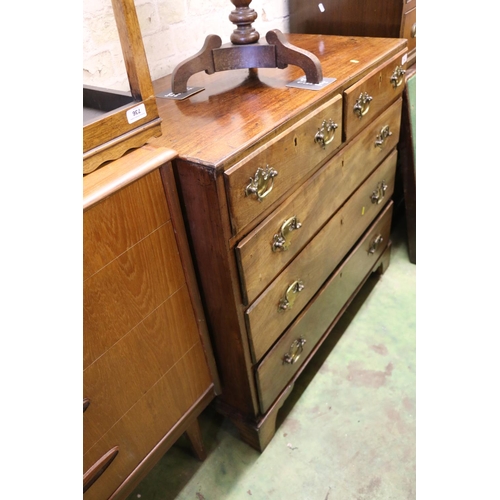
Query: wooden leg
259	434
194	435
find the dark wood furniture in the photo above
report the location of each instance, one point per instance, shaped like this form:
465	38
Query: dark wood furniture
287	197
383	18
115	121
148	368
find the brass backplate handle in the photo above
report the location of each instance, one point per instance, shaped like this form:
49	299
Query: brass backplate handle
362	104
326	133
397	76
262	183
375	244
282	240
295	351
288	299
414	30
379	193
384	133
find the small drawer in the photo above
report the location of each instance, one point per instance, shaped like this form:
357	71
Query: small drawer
283	300
265	251
409	28
409	5
366	99
293	349
265	175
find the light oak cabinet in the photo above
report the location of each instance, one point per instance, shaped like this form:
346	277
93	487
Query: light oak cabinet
286	194
148	368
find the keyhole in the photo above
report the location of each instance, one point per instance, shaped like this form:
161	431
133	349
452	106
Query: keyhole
295	141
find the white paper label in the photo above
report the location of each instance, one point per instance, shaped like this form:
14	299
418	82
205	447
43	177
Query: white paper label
404	58
136	113
321	7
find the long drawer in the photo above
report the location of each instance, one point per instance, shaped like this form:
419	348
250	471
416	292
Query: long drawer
266	250
276	308
269	172
286	357
364	100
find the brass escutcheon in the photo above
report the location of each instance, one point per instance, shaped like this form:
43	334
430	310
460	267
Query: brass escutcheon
262	183
375	243
295	351
414	31
290	295
326	133
382	136
280	241
362	104
379	193
397	76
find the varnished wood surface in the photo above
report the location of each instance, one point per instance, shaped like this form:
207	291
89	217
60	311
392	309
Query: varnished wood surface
145	424
120	173
317	261
332	184
235	111
273	373
293	155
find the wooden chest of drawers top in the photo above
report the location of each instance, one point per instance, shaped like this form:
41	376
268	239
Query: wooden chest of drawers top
236	112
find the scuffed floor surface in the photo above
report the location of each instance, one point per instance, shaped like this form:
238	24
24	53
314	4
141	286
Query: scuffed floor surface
347	432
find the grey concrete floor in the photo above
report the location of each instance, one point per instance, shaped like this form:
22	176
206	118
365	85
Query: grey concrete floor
347	431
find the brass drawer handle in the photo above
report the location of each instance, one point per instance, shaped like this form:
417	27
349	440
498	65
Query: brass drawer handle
414	31
280	242
397	76
290	295
379	193
262	184
295	351
375	244
326	133
362	104
95	472
382	136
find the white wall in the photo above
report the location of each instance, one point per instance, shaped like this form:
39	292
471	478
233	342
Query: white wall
172	30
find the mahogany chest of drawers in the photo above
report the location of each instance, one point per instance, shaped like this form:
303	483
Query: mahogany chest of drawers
286	194
147	361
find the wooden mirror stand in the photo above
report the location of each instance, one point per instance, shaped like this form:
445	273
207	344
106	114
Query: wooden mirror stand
245	51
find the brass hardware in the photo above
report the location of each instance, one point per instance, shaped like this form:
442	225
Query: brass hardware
397	76
262	184
295	351
280	242
379	193
375	243
362	104
414	31
326	133
384	134
290	295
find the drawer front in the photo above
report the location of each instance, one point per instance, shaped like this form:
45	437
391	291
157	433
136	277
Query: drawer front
264	252
147	422
409	28
367	98
122	220
134	284
284	360
269	172
409	5
283	300
120	377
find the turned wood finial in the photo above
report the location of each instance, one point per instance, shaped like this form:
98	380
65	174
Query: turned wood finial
243	16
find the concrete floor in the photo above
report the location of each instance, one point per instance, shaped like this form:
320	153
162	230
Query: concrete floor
347	432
